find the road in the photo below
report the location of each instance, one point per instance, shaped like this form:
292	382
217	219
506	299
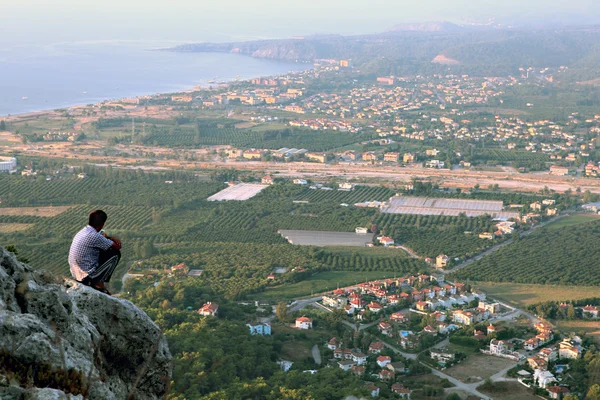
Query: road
471	388
360	326
501	245
127	276
411	253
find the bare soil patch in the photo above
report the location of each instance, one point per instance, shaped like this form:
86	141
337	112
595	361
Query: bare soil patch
478	367
51	211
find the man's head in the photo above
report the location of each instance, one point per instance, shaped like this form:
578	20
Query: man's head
97	219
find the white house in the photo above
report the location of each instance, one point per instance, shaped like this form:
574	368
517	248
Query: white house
285	365
303	323
543	378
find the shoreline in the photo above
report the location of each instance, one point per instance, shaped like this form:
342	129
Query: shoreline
187	89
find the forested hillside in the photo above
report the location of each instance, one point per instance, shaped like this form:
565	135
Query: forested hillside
476	50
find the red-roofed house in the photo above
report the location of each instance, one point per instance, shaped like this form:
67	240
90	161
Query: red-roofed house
386	241
382	361
303	323
209	309
181	269
399	389
385	328
375	307
591	311
557	392
333	344
398	317
376	347
386	375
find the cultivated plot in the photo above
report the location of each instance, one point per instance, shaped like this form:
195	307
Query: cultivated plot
243	191
452	207
320	238
35	211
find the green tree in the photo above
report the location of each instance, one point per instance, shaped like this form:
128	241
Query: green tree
593	393
281	311
2	125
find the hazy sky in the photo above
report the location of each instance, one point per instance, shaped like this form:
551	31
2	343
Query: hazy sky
47	21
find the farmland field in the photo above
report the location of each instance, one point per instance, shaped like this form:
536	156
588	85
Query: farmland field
566	256
14	227
523	295
573	220
34	211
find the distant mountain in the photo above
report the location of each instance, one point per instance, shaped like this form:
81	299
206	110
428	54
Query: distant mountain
442	26
431	48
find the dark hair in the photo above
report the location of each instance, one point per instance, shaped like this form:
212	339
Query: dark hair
97	218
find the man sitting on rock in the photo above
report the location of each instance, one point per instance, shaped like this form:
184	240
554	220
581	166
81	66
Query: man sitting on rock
94	256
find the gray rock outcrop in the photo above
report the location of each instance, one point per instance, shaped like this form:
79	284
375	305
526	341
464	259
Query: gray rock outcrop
63	338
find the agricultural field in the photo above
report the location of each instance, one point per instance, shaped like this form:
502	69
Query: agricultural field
506	156
178	136
34	211
567	256
591	328
523	295
13	227
573	220
359	194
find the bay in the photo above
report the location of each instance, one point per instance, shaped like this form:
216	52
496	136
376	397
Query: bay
71	73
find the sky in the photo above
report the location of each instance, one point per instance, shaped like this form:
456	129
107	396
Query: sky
51	21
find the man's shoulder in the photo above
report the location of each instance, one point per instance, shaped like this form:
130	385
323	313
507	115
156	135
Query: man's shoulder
86	231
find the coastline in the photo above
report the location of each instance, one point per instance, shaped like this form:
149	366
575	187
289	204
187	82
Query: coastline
144	73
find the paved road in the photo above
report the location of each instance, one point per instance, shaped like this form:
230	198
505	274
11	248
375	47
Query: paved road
127	276
501	245
471	388
316	353
360	326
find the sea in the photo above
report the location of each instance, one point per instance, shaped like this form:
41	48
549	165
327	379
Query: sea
43	77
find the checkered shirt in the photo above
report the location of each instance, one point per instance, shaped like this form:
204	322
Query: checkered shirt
85	252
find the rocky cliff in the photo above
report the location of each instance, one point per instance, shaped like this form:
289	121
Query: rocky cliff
62	340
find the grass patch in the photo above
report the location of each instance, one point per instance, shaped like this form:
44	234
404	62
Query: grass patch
522	295
572	220
591	328
479	367
508	391
321	282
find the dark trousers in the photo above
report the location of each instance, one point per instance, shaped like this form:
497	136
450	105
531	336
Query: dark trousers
107	263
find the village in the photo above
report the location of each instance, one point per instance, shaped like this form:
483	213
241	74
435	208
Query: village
422	323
